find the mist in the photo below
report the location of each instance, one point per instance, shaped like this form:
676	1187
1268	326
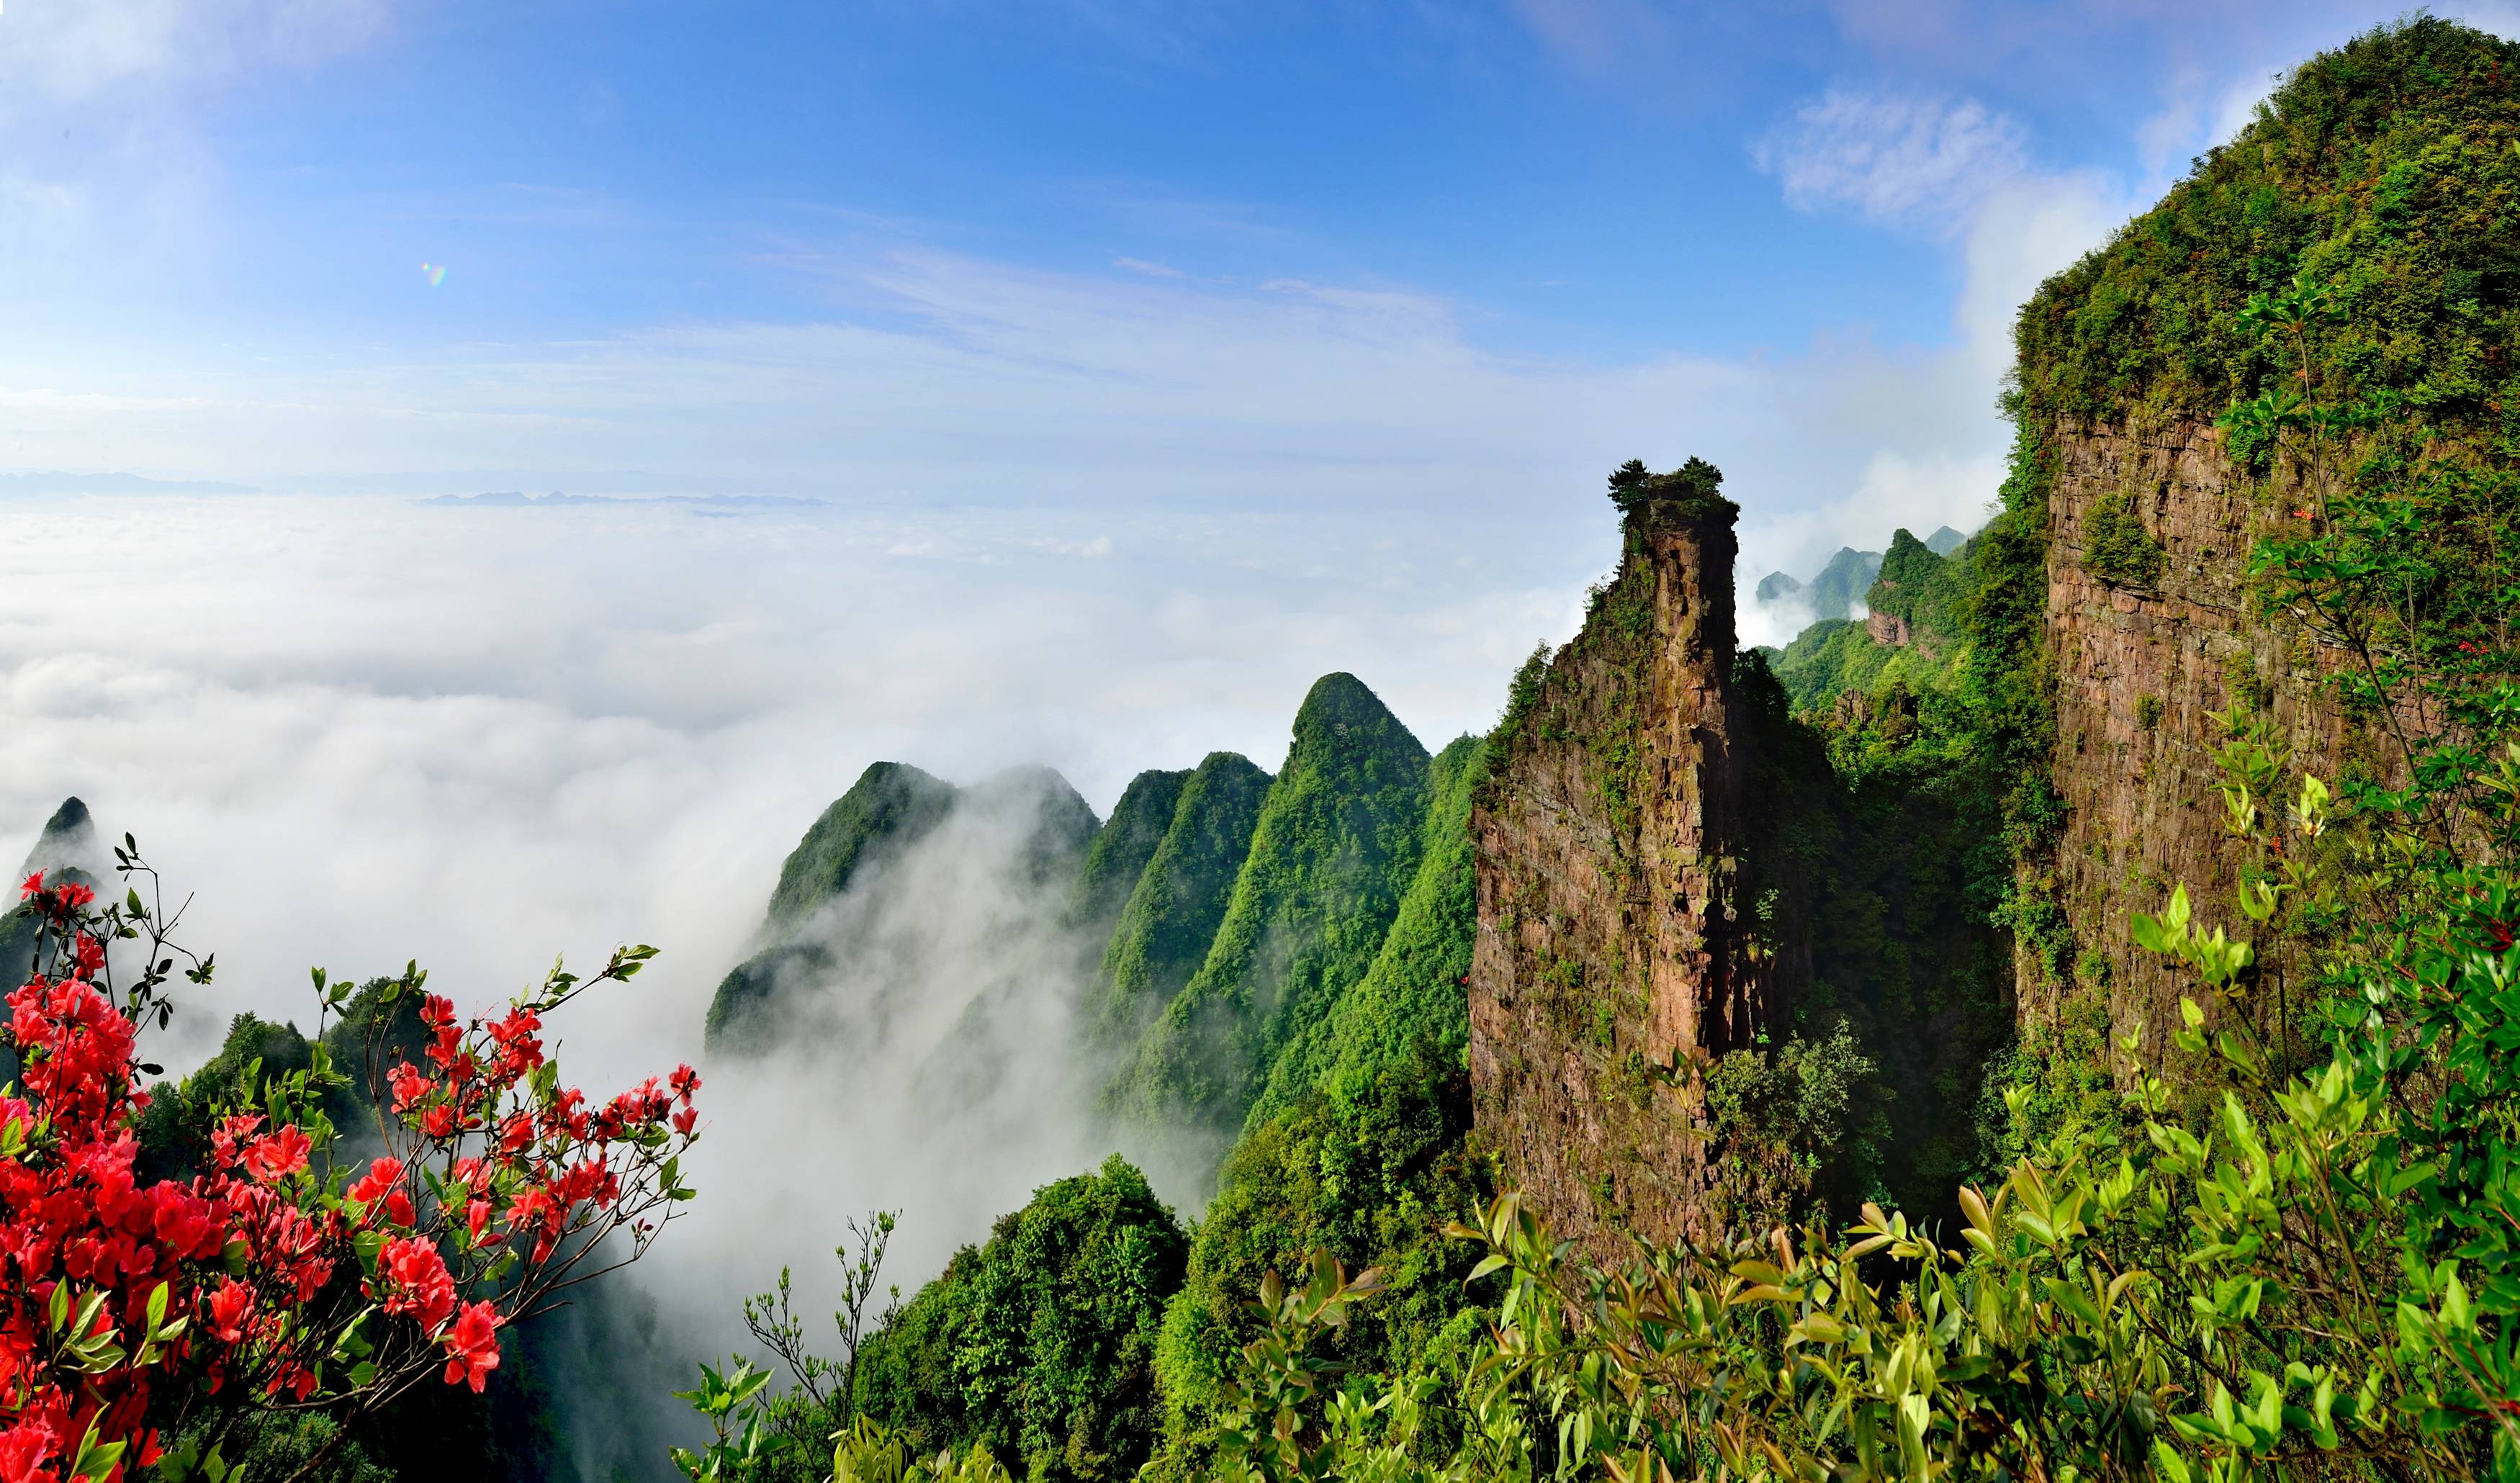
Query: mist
919	1062
360	729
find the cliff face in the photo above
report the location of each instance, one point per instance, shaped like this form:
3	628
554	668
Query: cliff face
2376	179
2139	666
1610	939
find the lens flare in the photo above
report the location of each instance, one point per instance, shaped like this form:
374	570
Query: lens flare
435	272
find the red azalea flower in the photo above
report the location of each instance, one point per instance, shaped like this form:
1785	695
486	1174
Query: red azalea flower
228	1308
276	1157
473	1346
383	1175
409	1085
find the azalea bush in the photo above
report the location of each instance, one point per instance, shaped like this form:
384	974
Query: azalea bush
285	1277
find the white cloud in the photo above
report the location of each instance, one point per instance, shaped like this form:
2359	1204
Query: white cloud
1912	162
55	54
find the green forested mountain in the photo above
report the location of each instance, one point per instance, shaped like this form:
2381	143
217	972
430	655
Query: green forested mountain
1833	591
1172	912
1120	850
1048	834
1916	597
1411	994
1249	937
888	808
1337	840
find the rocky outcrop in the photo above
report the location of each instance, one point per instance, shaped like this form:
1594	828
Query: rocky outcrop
67	850
1888	628
1611	936
2138	665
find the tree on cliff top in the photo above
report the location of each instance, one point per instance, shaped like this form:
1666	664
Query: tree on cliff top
1684	489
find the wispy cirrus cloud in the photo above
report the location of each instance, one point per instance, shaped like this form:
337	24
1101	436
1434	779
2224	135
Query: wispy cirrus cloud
1904	160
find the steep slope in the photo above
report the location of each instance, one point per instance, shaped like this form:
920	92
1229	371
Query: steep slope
1029	832
1617	930
1336	842
1170	920
2380	177
66	850
891	805
1414	993
1119	853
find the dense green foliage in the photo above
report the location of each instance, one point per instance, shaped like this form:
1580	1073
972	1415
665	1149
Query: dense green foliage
1414	994
1118	855
1040	1344
1919	588
2386	170
889	806
1370	1170
1336	844
2118	549
1879	858
1179	896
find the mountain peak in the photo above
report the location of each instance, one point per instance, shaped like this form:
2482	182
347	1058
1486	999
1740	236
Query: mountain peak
69	842
889	805
1341	715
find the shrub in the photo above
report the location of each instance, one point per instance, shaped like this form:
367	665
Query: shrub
2117	547
263	1283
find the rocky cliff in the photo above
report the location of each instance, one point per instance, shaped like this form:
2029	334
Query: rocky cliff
2373	192
2145	653
1612	936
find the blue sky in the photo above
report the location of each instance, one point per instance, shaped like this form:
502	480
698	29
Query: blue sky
1148	361
1104	250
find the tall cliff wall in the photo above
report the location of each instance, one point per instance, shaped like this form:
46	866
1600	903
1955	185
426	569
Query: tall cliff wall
1610	932
2372	193
2144	648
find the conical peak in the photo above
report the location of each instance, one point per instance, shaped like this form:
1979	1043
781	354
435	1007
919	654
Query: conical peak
68	843
1340	716
880	777
1030	780
71	817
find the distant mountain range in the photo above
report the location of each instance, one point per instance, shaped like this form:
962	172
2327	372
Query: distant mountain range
1839	588
1245	938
